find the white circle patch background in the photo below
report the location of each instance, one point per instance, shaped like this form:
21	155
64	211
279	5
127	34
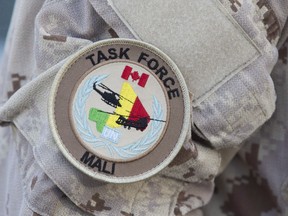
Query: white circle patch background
94	118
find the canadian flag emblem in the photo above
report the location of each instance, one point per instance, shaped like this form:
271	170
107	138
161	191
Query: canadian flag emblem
128	72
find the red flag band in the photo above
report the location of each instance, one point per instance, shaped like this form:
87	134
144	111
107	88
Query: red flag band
142	80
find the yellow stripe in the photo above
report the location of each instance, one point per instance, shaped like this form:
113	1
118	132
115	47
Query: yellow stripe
128	93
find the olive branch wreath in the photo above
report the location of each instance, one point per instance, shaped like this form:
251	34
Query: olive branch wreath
124	152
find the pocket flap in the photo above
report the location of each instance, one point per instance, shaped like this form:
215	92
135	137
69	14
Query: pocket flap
206	43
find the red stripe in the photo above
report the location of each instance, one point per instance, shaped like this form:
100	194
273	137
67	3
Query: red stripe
138	111
143	80
126	72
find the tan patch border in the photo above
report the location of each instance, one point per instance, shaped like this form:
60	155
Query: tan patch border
186	117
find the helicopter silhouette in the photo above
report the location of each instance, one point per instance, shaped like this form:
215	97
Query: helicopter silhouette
110	97
137	122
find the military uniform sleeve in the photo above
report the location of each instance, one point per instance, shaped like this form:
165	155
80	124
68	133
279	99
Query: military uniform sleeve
39	180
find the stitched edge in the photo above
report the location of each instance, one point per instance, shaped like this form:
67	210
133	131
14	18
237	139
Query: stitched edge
128	179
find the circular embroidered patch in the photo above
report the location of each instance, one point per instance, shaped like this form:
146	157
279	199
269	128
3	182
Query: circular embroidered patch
119	110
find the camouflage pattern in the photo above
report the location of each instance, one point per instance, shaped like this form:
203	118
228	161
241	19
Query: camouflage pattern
255	182
250	163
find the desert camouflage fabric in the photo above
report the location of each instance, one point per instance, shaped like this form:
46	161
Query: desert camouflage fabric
236	163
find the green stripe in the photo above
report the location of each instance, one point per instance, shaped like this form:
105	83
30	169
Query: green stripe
99	117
